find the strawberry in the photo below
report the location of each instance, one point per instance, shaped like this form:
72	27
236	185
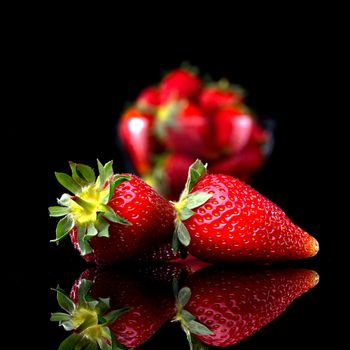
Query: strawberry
142	307
134	130
180	83
233	304
240	165
218	95
233	222
169	174
233	127
258	136
175	172
148	99
111	218
183	128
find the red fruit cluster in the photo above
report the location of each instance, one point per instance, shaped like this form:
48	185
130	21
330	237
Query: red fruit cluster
181	119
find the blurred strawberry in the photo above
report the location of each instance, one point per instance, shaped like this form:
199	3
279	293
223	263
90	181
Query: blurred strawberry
258	136
169	174
241	165
218	95
148	99
182	83
134	130
184	129
233	127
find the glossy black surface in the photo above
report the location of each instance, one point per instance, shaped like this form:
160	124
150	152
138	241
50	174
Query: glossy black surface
90	85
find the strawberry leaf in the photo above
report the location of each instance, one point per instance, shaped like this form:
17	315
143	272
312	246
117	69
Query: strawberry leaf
111	215
70	342
68	325
198	328
91	230
175	285
57	211
186	213
175	242
60	316
91	346
82	174
105	342
64	301
105	172
86	173
84	287
103	305
187	316
184	296
188	336
103	228
63	227
83	240
196	199
64	200
113	315
67	182
182	233
117	180
195	172
197	345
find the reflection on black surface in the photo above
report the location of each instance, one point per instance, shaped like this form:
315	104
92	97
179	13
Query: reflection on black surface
231	303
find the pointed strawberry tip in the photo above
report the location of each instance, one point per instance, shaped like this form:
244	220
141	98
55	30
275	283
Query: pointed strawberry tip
315	278
314	247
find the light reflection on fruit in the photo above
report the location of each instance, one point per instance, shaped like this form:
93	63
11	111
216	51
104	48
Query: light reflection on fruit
232	303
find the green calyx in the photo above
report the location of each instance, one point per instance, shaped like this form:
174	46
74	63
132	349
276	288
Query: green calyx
87	209
187	202
88	319
166	116
225	85
187	321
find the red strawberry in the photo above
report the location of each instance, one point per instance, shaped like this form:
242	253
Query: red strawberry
134	130
233	222
148	99
221	94
184	129
146	306
169	174
236	304
175	170
180	83
113	218
241	165
258	135
233	128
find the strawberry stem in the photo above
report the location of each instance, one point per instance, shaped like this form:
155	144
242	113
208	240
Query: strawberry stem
88	319
187	202
87	209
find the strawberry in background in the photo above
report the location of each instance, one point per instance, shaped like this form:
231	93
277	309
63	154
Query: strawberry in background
221	94
181	83
184	117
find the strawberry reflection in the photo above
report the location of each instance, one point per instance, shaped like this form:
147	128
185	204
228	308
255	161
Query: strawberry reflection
236	304
215	306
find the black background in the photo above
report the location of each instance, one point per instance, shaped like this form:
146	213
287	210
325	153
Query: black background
87	79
